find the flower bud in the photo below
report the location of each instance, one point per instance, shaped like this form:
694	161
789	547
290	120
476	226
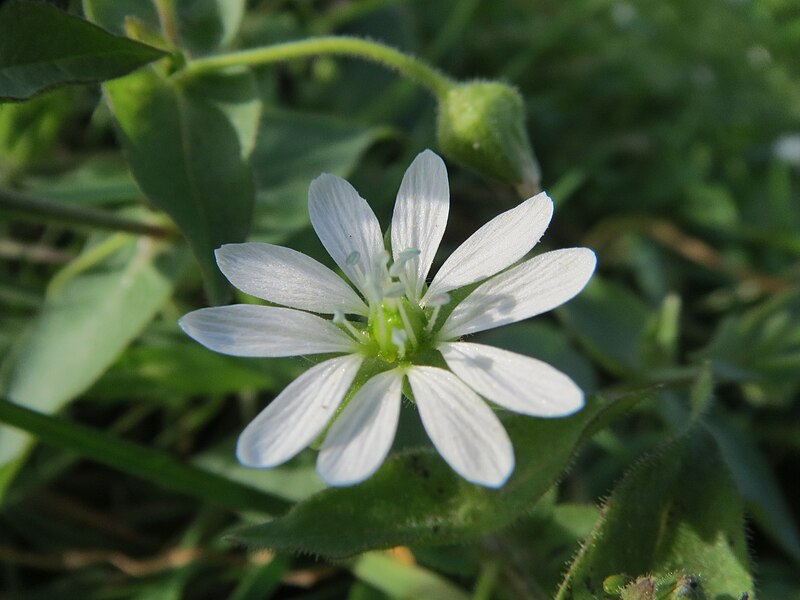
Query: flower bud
481	125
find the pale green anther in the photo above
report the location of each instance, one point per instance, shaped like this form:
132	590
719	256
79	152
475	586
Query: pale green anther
399	340
402	258
408	254
395	290
353	258
340	319
438	300
375	291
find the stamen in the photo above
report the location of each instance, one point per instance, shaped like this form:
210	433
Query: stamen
398	266
437	301
432	319
399	340
375	290
353	258
382	263
361	279
396	290
409	330
340	319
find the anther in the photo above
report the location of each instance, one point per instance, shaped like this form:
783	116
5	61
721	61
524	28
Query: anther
438	300
340	319
353	258
402	258
395	290
399	340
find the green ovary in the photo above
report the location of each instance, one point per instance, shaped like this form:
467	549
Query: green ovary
396	338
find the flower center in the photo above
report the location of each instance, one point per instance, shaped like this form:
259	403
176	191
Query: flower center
396	327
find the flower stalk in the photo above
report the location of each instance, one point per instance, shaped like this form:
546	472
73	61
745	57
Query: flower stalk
418	71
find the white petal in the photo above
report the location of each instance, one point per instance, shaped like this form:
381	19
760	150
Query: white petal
360	438
536	286
298	415
345	225
495	246
463	428
420	214
287	277
516	382
250	330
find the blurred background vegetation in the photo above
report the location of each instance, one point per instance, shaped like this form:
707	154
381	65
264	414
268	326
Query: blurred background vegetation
668	135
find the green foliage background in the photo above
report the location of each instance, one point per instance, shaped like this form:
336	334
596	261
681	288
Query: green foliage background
668	136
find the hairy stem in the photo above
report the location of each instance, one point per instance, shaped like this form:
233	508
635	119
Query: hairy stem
416	70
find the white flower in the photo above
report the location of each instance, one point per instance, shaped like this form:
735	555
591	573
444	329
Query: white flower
393	326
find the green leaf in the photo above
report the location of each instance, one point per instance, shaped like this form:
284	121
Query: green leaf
558	532
761	347
180	369
187	144
206	25
28	130
93	310
151	465
677	511
611	322
294	481
100	180
292	149
42	47
415	498
400	581
757	484
261	582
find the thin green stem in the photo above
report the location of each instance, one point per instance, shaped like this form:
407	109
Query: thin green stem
38	209
413	68
85	261
149	464
168	20
486	581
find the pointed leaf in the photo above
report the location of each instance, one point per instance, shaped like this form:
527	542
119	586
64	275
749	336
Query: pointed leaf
400	581
141	461
675	512
42	47
206	25
188	150
415	498
84	325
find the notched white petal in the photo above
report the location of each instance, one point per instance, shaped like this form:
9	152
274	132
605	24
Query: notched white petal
519	383
420	214
250	330
285	276
298	415
531	288
360	438
346	226
498	244
463	428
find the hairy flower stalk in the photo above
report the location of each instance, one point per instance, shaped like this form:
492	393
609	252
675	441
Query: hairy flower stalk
393	326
